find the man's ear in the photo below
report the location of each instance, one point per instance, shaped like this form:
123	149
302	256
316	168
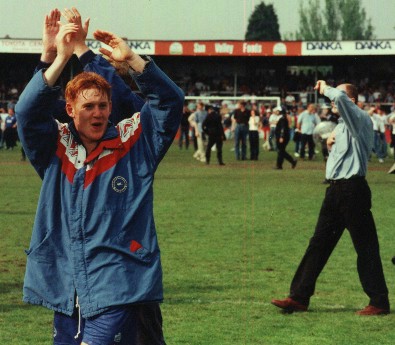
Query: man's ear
110	106
69	110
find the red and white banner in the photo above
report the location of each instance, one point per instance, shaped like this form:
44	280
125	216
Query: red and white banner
227	48
339	48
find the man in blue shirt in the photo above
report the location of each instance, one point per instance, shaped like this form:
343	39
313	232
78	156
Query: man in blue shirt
199	117
10	134
347	204
306	124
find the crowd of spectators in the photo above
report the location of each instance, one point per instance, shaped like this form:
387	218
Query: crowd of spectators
14	75
269	114
265	82
295	89
300	87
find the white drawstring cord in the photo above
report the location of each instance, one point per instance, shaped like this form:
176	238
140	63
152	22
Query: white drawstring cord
79	318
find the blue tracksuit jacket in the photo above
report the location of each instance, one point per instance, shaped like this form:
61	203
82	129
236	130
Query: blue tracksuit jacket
94	234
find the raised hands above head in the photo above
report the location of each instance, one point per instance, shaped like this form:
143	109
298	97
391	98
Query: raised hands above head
73	16
65	43
65	40
320	86
120	50
50	30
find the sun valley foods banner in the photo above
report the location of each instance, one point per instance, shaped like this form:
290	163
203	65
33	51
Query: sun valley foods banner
227	48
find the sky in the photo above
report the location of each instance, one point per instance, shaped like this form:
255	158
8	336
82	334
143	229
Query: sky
173	19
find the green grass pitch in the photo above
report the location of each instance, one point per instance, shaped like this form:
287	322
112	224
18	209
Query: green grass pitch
231	238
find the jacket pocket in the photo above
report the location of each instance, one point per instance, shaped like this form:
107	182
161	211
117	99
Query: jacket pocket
138	251
134	249
46	251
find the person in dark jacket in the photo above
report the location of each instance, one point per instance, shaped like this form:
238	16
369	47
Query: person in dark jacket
212	127
282	139
10	132
240	125
184	127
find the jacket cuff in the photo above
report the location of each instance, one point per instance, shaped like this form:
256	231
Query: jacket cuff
87	57
42	65
148	62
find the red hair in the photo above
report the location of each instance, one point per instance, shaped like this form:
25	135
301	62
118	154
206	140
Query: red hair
85	81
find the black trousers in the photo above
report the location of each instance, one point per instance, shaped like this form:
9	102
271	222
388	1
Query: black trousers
282	154
217	140
254	144
347	204
184	134
10	137
307	139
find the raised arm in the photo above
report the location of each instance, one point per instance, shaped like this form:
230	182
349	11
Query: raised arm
161	114
50	30
348	110
124	101
65	49
121	52
74	17
37	129
51	27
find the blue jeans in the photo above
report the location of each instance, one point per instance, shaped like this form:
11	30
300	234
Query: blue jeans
184	134
380	145
241	133
272	138
297	146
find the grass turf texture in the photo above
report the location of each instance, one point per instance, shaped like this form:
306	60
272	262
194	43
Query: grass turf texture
231	238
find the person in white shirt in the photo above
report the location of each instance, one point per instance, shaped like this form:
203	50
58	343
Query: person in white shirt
361	98
273	119
303	97
379	130
254	125
382	127
306	124
289	100
391	123
196	120
3	116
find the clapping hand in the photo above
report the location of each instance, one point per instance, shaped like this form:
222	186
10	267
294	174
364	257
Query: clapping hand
121	52
73	16
50	30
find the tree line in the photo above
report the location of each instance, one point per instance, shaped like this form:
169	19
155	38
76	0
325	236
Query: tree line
336	20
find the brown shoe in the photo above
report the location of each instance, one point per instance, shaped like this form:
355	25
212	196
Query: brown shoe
289	305
372	310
